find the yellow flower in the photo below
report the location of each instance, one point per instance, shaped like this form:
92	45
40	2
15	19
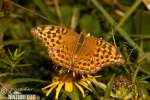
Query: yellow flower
69	81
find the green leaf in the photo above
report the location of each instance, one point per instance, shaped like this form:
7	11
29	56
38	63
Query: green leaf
4	24
42	7
66	12
144	68
71	95
109	88
25	80
90	24
10	42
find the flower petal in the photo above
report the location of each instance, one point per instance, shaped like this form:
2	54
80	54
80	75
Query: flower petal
69	86
93	78
58	89
50	90
84	84
51	85
80	88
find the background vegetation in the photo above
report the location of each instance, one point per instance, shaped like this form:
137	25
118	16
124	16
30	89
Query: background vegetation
24	60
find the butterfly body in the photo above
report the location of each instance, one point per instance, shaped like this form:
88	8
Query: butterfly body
77	52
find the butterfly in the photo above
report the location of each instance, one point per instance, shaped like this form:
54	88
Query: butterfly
77	52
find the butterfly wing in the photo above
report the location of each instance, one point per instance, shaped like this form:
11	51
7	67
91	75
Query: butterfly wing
95	54
60	42
66	49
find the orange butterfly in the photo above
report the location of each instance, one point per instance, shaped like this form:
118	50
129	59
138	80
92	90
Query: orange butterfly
77	52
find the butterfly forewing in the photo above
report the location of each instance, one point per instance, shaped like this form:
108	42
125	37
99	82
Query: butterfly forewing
60	42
